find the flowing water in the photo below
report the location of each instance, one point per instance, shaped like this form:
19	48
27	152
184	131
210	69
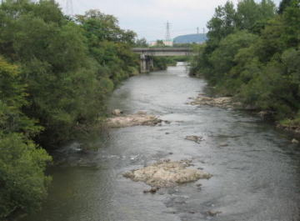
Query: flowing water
256	175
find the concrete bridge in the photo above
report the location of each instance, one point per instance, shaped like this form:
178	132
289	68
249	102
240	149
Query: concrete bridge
146	55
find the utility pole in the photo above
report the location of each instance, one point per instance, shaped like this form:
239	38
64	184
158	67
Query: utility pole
168	35
69	7
197	30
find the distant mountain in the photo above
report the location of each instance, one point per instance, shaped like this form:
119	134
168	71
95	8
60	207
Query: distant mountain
192	38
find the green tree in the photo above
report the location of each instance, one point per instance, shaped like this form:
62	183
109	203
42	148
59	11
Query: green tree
260	69
253	16
223	58
291	19
109	45
283	5
270	42
23	184
222	23
160	43
103	27
62	78
141	43
65	71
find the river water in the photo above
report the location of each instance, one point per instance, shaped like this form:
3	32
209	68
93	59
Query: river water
255	177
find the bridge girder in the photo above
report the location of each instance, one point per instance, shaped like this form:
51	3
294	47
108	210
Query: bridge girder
164	51
147	53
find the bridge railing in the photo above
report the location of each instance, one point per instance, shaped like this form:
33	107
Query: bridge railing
141	50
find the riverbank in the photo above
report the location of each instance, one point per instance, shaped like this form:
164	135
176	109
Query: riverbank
255	168
258	67
291	126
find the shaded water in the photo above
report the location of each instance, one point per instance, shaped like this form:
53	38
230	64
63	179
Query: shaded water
255	177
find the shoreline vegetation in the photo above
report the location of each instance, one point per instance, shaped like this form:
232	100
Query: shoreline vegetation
56	73
230	103
253	55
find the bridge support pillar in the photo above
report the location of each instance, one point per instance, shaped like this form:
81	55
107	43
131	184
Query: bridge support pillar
151	64
146	63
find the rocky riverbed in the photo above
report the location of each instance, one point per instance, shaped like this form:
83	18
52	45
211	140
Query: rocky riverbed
255	168
223	102
229	103
167	173
141	118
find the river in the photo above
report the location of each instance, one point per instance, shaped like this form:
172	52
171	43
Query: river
256	175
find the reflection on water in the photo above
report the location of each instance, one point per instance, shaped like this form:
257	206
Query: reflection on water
255	168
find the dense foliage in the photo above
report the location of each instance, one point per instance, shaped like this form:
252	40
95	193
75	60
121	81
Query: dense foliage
253	54
22	163
55	74
162	63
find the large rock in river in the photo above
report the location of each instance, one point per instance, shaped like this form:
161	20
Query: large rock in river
223	102
117	112
137	119
167	174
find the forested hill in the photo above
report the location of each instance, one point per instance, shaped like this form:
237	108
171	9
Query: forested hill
55	75
252	53
192	38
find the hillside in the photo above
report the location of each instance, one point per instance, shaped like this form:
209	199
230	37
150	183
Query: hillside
191	38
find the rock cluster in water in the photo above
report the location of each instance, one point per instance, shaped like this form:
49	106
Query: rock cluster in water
167	174
223	102
194	138
138	119
290	128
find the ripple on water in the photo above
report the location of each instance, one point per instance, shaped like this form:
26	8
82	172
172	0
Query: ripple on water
255	175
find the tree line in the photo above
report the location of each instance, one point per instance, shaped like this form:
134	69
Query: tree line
55	75
252	53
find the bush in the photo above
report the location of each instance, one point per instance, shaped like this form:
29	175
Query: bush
23	184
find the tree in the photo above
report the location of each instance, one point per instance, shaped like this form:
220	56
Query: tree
141	43
109	45
222	59
283	5
291	19
252	16
223	22
104	27
65	71
267	9
23	184
160	43
258	65
61	76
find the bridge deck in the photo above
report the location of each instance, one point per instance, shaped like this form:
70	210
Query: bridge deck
163	51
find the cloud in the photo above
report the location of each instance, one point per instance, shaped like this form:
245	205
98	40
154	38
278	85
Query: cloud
148	17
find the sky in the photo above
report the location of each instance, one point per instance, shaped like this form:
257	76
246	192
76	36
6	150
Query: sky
148	18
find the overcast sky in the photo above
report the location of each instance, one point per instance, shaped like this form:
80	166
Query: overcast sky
148	18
